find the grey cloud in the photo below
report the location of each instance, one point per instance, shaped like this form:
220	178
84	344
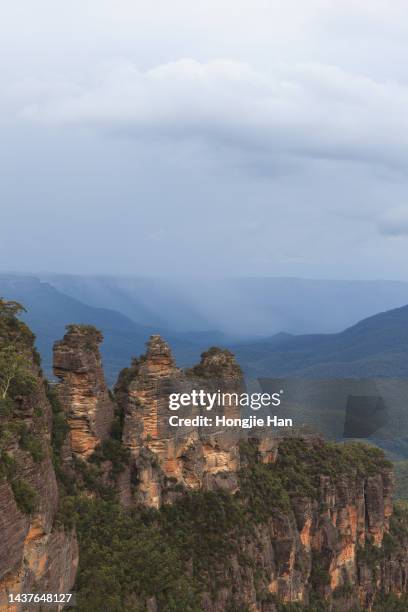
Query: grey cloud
310	110
394	222
272	161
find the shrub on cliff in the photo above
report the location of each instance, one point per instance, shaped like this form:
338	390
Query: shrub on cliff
24	495
89	335
302	462
16	351
111	450
185	549
296	473
125	559
390	603
11	328
60	425
262	492
31	444
15	373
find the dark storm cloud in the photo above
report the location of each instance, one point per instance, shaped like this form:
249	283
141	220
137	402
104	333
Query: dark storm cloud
226	137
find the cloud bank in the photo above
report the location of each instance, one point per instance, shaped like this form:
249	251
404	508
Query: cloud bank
306	111
394	222
226	137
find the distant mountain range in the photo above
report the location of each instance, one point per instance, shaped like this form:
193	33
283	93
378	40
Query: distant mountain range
128	311
322	374
50	310
239	307
376	346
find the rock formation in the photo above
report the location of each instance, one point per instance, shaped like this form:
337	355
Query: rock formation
187	455
82	390
35	551
325	531
312	523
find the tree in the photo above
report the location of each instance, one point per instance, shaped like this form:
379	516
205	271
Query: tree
16	377
9	308
15	372
12	329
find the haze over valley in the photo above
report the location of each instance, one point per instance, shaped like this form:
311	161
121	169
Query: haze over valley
274	326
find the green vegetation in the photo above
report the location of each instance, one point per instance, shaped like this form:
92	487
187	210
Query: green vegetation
127	375
146	552
60	426
211	370
319	576
390	603
187	548
394	542
8	465
375	347
262	491
297	471
12	330
24	495
401	479
297	607
127	557
17	380
369	554
16	340
346	590
111	450
30	443
15	375
206	527
6	407
92	335
303	463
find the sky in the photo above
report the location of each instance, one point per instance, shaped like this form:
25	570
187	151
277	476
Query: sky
228	138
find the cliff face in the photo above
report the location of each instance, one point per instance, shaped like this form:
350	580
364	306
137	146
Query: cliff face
239	523
313	546
34	551
162	455
320	531
293	535
82	390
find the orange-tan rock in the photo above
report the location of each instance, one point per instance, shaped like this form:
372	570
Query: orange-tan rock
82	389
191	456
34	552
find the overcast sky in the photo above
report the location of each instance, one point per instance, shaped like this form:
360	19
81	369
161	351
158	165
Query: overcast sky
242	137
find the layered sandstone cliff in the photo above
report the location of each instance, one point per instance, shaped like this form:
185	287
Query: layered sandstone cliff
162	455
35	551
82	390
301	521
324	533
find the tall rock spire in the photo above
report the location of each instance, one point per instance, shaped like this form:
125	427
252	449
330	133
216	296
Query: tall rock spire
82	389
